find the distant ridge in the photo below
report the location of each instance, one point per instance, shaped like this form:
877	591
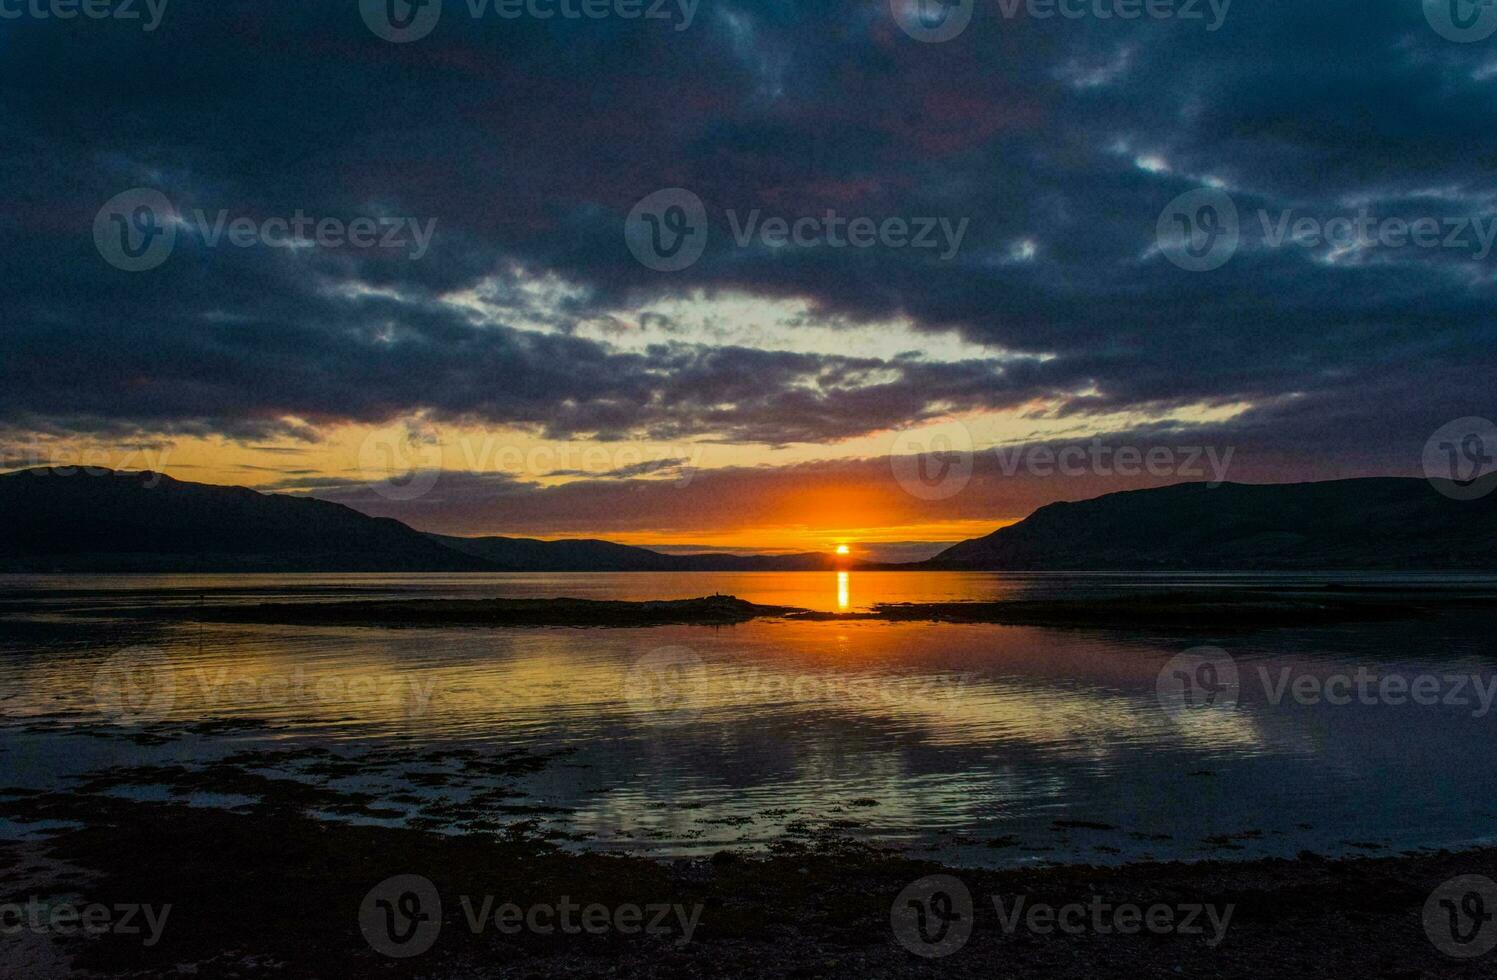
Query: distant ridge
109	521
1370	523
590	555
106	521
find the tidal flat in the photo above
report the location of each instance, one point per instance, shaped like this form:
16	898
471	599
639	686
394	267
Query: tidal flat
271	881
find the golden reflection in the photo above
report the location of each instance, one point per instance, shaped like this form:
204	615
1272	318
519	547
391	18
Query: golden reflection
842	591
1067	696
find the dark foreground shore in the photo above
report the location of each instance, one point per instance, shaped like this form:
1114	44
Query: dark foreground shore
273	892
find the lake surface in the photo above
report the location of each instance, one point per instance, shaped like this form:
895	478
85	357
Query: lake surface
978	744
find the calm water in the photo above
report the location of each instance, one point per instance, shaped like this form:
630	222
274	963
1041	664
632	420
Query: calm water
965	741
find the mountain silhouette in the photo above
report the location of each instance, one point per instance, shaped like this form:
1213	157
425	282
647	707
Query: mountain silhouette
1369	523
106	521
591	555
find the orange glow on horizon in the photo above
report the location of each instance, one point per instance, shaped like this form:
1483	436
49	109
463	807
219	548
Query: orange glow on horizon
824	505
797	538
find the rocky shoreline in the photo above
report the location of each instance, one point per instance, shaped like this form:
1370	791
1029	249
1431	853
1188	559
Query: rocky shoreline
274	892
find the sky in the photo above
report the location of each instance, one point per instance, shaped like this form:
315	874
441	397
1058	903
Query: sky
764	276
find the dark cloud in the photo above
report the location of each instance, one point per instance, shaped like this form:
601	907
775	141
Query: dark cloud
527	142
643	468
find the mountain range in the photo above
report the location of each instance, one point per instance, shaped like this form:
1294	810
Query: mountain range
107	521
1368	523
591	555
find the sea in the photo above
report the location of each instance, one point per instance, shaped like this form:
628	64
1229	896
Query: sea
974	744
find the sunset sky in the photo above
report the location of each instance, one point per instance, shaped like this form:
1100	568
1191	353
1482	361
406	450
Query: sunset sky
764	396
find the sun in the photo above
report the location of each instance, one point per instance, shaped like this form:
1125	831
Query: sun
843	549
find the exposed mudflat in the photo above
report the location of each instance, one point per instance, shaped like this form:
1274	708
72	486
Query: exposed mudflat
274	892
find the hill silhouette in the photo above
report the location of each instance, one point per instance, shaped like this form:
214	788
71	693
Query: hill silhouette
108	521
1369	523
591	555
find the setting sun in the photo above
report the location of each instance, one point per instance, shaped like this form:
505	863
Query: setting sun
842	549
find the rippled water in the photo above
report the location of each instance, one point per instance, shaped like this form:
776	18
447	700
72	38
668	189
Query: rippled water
969	741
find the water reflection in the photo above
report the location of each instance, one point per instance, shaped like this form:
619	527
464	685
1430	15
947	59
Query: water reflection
939	732
806	589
